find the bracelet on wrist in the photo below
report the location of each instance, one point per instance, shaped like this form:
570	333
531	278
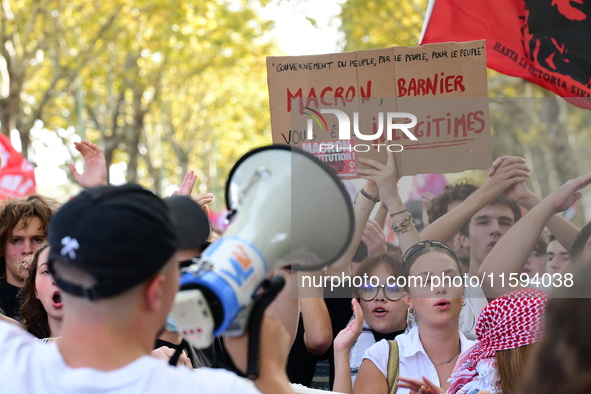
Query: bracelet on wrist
394	214
406	230
370	198
360	207
403	225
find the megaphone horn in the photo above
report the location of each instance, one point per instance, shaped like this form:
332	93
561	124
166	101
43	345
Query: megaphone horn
287	208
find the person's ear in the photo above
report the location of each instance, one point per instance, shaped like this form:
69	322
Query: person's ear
36	294
407	300
154	292
464	240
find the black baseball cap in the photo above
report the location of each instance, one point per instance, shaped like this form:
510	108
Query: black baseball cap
120	235
191	221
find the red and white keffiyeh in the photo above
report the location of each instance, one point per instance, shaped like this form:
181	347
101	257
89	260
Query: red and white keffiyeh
508	322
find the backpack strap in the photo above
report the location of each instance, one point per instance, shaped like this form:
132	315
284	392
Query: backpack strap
393	362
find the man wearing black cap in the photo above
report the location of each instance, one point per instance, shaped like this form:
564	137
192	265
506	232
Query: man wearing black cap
113	255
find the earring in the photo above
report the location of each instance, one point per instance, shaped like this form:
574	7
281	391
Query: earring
473	317
411	319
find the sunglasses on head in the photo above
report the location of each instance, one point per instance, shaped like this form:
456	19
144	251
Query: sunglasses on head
425	244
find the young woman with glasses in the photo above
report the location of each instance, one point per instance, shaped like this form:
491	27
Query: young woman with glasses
370	379
381	185
379	313
430	349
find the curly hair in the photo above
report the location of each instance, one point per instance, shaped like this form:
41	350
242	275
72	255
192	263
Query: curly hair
451	193
17	209
33	313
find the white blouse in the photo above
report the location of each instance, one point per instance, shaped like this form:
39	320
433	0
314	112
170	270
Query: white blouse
414	362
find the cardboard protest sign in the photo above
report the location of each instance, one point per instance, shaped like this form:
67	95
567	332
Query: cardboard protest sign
343	106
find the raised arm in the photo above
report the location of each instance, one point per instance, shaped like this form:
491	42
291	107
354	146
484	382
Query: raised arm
386	177
285	306
374	238
187	188
510	171
513	249
564	230
362	207
342	348
317	325
380	217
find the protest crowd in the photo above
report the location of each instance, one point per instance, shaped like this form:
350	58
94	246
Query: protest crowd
86	290
481	290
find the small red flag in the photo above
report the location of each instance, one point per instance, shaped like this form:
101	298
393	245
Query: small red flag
17	176
542	41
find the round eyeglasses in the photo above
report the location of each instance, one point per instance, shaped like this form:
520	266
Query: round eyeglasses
369	293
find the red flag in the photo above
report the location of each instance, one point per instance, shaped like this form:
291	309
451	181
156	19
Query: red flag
542	41
17	176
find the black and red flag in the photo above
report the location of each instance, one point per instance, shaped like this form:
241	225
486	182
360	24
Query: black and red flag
547	42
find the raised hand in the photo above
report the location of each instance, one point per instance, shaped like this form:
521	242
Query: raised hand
96	165
203	198
518	192
347	336
496	165
384	175
506	172
187	185
374	238
563	197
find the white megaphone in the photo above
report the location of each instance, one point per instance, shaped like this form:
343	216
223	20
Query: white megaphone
286	207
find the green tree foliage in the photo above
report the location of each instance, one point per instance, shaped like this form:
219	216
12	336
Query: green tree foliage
163	86
41	47
372	24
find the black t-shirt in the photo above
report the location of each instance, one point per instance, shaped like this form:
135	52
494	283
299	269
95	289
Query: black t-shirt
218	357
10	300
390	336
301	364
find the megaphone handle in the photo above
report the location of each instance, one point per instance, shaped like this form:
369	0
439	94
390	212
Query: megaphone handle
271	289
177	354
